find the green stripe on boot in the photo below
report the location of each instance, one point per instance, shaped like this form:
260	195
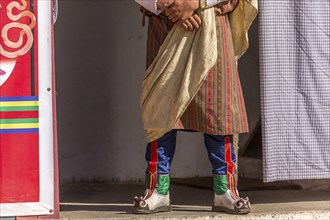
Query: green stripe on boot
220	184
163	183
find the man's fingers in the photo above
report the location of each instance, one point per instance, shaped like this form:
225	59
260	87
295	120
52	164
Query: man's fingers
189	25
198	19
185	26
194	22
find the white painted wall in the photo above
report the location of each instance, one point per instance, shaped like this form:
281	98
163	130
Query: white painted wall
100	59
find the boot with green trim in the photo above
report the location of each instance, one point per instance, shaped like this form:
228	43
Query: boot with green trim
226	197
156	197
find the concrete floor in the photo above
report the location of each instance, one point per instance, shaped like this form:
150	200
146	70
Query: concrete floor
114	201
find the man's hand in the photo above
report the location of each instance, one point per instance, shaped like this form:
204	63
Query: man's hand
194	22
182	10
164	4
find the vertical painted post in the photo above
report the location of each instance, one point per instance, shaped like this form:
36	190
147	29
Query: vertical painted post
28	137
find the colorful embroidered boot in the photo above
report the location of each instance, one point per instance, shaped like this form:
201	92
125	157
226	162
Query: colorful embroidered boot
156	198
226	198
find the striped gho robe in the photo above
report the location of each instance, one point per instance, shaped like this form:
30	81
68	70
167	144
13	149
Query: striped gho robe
218	108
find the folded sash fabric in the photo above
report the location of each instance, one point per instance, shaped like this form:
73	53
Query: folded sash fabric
240	21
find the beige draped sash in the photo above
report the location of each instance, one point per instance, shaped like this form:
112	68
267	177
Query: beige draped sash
240	21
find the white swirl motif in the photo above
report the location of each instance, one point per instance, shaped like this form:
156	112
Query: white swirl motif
25	30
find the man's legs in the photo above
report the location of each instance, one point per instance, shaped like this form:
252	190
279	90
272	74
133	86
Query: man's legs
159	155
221	153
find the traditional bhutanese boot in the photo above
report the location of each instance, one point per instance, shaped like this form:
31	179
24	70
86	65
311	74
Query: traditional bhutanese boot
156	198
226	198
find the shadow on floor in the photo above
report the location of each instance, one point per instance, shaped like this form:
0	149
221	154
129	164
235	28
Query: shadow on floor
118	197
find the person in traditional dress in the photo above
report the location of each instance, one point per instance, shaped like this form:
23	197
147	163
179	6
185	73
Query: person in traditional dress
217	110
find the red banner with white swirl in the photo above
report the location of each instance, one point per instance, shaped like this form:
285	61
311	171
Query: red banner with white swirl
17	27
26	108
19	111
16	32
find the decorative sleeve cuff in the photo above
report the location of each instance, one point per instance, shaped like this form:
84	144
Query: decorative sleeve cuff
150	5
211	3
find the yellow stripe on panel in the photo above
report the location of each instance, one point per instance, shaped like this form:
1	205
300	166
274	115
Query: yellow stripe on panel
17	126
12	104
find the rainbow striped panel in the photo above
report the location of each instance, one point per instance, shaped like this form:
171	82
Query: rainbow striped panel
19	115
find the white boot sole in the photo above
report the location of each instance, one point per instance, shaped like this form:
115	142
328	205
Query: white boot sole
231	211
160	209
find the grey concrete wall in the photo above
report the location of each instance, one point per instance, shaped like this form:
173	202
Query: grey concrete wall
100	59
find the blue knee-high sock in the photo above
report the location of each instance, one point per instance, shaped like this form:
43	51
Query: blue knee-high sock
159	155
221	153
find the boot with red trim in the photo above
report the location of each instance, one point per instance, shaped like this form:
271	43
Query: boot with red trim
155	199
226	198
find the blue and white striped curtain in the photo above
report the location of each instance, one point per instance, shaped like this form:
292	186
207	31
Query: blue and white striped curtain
295	88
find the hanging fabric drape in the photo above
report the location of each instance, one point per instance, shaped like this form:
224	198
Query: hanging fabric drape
295	88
